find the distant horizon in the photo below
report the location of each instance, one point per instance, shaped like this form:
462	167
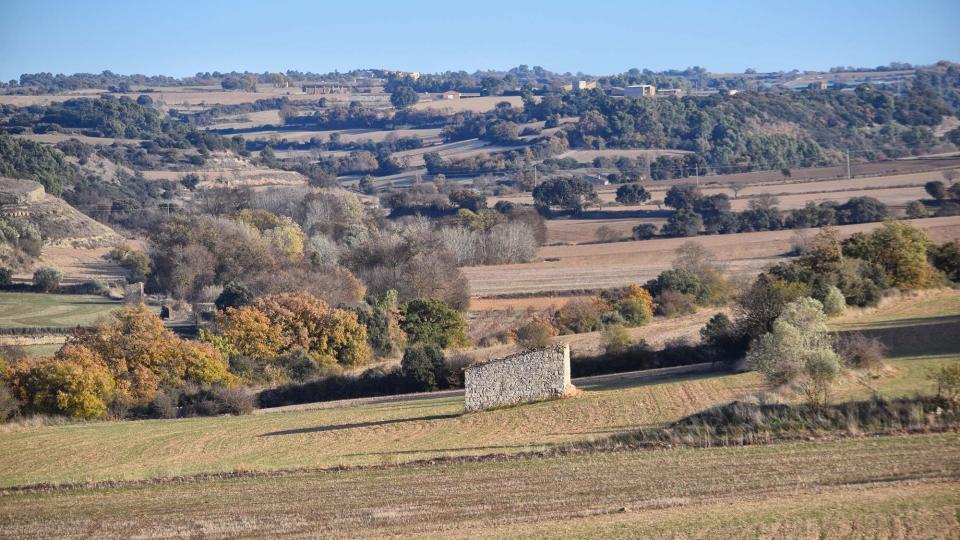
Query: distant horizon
606	37
916	65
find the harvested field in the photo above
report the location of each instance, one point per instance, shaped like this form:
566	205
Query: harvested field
903	485
475	104
79	264
249	177
54	138
622	263
18	310
587	156
520	304
404	428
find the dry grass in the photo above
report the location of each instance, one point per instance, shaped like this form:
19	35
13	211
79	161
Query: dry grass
392	432
623	263
905	485
475	104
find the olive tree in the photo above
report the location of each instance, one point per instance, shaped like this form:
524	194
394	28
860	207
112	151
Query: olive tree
798	349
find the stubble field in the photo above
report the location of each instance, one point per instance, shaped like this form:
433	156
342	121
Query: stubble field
560	268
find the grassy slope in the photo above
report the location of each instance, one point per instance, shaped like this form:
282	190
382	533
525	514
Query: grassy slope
897	484
58	310
404	431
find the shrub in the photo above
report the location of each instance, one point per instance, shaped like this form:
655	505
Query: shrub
936	189
615	339
916	210
47	279
633	304
6	276
9	405
861	352
423	367
681	281
235	400
723	339
298	365
431	321
672	303
798	349
834	303
234	295
535	333
947	379
580	315
644	231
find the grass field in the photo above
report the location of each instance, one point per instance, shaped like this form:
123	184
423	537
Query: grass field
55	310
622	263
906	486
887	487
405	430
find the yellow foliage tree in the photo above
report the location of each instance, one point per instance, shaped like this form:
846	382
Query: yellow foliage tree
143	355
75	383
279	323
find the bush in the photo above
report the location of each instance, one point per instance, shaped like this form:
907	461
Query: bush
535	334
861	352
9	405
235	400
644	231
947	379
298	365
672	303
75	383
423	367
834	303
615	339
6	276
580	315
47	279
234	295
798	349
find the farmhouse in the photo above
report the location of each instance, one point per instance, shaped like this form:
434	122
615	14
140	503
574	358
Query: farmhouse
580	85
637	90
528	376
16	196
670	92
449	94
325	88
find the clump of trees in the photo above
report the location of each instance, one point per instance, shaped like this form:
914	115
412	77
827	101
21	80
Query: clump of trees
119	367
261	336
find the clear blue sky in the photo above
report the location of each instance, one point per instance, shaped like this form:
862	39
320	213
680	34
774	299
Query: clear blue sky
175	37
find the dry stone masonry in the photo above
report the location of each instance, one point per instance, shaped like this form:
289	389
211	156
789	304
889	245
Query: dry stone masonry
527	376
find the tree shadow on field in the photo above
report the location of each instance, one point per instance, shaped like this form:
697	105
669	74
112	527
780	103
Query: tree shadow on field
321	429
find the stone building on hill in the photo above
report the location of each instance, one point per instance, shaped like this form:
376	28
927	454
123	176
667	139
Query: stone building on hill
528	376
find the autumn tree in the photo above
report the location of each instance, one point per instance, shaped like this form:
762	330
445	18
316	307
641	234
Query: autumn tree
75	383
144	356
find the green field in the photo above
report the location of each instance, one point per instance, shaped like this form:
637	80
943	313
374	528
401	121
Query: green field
52	310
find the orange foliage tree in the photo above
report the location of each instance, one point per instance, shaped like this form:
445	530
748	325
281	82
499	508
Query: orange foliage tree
278	323
144	356
75	383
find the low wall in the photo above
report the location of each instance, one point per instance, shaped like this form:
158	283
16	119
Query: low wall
527	376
